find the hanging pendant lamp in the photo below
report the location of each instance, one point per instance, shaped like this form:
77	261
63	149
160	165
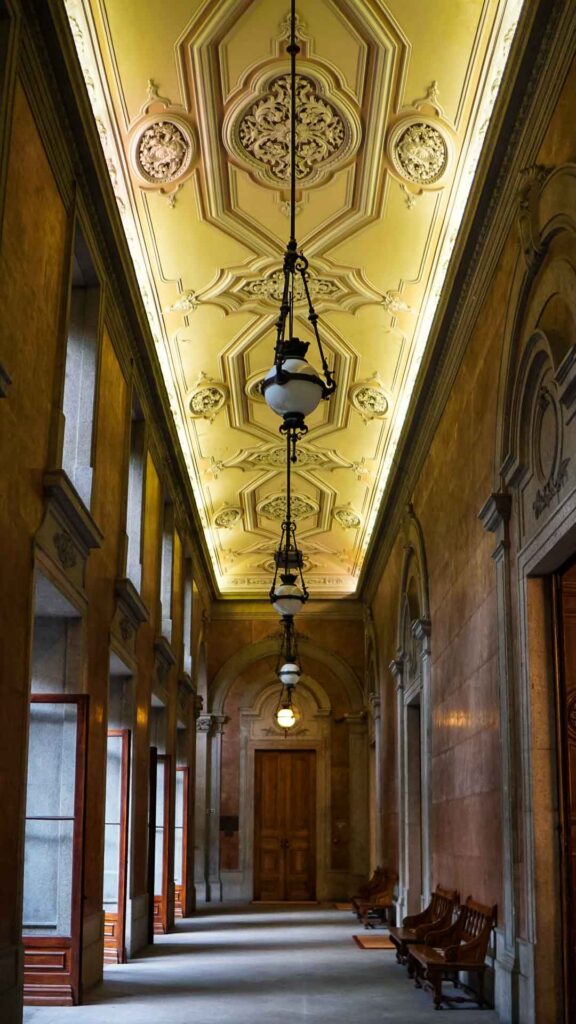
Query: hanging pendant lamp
292	388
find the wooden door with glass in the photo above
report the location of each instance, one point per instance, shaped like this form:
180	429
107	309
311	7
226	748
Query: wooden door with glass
180	839
53	849
162	883
116	845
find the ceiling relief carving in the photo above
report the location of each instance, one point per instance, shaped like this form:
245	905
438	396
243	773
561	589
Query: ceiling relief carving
270	288
420	145
347	518
208	398
228	517
274	507
374	217
261	135
419	151
162	144
369	398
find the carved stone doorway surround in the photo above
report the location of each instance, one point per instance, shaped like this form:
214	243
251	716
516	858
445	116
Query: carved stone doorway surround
411	671
532	513
313	732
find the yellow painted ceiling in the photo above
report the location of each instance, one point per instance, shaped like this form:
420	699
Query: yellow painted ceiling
191	107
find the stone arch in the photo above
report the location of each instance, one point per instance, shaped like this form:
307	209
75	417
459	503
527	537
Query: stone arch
338	737
268	648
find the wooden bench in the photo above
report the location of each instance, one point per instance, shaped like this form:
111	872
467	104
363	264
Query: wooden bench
459	947
438	914
372	886
375	907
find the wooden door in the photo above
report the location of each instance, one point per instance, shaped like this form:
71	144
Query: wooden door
565	616
116	845
162	884
180	840
285	806
53	849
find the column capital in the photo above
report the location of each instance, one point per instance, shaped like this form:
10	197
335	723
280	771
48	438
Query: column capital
396	668
420	630
204	723
375	704
495	511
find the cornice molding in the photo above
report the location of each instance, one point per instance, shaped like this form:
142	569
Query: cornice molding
538	64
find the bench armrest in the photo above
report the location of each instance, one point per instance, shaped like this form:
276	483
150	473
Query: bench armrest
413	920
442	936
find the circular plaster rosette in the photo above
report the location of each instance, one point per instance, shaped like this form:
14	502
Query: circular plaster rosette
420	150
162	150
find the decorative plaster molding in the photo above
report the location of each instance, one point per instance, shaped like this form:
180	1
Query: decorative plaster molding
257	133
369	398
227	517
208	398
274	507
347	517
162	144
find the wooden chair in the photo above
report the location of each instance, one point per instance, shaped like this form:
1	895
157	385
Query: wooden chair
459	947
438	914
375	908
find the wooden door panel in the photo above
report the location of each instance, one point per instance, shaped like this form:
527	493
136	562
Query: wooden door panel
285	804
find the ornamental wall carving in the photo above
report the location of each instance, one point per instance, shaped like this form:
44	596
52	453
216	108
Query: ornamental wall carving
540	407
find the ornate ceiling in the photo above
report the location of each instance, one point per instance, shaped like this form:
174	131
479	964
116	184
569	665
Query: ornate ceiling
191	101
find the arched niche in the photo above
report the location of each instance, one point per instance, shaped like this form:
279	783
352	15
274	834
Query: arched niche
331	722
411	670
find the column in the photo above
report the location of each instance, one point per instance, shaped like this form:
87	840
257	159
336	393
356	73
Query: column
375	707
358	760
495	517
213	812
397	670
201	884
421	632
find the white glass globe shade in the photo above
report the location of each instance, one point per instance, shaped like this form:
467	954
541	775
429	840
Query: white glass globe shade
285	718
289	674
288	599
294	397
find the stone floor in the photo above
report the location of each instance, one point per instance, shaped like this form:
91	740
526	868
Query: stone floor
249	964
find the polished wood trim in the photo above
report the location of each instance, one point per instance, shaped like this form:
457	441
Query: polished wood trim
115	940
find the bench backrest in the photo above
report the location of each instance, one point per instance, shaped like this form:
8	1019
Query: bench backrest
475	923
442	903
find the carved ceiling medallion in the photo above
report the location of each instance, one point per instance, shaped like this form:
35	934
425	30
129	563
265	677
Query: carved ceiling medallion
258	133
347	517
369	399
275	507
228	517
208	398
420	150
163	152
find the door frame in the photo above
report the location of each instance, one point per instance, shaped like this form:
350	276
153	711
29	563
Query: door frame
181	891
53	964
160	901
291	750
119	931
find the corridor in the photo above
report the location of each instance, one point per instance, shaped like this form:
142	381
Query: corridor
244	964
